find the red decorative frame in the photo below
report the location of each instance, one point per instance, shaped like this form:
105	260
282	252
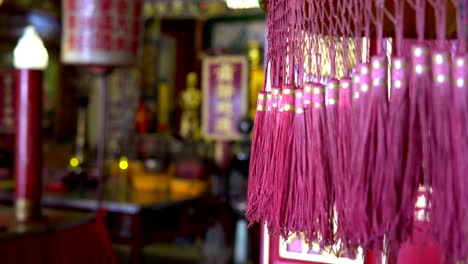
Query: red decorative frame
274	251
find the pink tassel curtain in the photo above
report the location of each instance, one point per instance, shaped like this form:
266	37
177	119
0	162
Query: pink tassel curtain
344	141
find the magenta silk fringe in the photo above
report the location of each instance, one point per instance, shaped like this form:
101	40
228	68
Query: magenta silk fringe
331	149
285	175
345	143
417	159
323	206
359	189
257	159
377	128
280	163
459	129
441	159
311	227
268	132
297	208
347	155
397	145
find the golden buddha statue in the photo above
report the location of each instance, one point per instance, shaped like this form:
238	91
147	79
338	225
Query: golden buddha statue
256	76
190	102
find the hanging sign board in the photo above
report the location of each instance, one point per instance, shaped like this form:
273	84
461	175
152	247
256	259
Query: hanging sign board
101	32
224	96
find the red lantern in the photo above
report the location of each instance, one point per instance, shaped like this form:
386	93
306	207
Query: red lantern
101	32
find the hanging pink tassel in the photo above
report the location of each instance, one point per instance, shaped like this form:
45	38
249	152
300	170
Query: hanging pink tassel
257	212
375	132
311	227
444	196
344	142
269	131
396	141
445	205
359	188
376	127
460	127
298	193
348	220
397	145
317	160
331	150
417	157
353	228
282	159
417	171
344	135
257	161
459	122
285	159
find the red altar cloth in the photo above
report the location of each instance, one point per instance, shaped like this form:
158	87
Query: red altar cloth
87	243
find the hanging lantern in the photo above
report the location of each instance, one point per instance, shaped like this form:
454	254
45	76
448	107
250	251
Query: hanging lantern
101	32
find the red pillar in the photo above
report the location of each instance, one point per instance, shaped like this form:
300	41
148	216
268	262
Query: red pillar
28	145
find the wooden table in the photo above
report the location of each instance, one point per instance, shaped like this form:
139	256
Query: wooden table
59	237
124	202
53	221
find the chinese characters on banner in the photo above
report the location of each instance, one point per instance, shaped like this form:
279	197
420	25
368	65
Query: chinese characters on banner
101	32
225	96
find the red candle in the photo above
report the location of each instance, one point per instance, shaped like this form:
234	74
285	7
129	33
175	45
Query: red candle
28	144
30	58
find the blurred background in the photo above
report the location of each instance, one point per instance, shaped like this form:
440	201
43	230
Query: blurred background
178	127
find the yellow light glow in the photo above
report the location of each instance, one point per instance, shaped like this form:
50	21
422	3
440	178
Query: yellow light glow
123	164
74	162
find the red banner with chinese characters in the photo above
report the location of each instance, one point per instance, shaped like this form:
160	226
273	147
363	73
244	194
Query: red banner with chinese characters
101	32
224	96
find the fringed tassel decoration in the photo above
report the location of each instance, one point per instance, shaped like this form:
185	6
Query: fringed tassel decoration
268	180
350	239
397	145
257	161
397	140
459	129
376	128
344	140
445	197
417	157
344	134
460	122
311	227
282	152
331	152
317	161
298	192
358	228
